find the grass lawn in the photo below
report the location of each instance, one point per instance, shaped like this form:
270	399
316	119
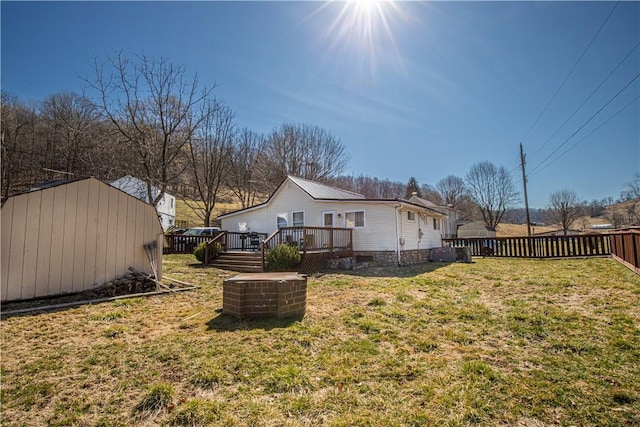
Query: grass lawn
495	342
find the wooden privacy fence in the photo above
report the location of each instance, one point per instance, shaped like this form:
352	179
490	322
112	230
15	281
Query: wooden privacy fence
625	247
537	246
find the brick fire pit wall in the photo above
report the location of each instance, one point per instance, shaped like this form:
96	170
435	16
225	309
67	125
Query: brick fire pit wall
265	295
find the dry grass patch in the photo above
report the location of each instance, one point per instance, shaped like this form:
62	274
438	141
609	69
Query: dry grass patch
496	342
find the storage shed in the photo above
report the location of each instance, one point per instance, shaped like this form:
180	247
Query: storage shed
475	229
73	236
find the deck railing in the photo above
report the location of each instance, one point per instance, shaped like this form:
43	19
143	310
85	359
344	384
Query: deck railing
335	241
582	245
182	244
625	247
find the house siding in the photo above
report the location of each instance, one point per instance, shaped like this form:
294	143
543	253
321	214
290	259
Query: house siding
72	237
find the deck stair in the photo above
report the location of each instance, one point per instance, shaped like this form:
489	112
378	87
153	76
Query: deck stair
245	262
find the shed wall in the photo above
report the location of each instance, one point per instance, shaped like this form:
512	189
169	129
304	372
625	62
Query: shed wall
72	237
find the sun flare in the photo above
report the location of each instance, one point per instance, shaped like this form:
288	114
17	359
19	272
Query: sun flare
360	32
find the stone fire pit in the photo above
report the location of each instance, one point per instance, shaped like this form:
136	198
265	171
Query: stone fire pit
265	295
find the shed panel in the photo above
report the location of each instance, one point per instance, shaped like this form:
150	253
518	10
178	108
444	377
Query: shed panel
73	236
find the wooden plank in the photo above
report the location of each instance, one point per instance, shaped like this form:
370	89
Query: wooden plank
32	237
121	240
80	242
130	235
6	220
91	241
57	239
111	261
69	238
45	231
18	231
102	234
141	262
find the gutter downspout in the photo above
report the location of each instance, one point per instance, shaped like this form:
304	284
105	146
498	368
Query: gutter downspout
398	259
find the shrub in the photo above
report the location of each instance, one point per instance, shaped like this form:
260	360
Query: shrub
283	257
198	252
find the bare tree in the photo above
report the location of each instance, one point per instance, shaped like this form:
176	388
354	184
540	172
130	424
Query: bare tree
564	209
632	191
246	177
305	151
209	151
21	156
430	193
492	191
454	193
153	104
70	124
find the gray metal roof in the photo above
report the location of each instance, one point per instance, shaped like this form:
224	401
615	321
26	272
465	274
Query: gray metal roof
321	191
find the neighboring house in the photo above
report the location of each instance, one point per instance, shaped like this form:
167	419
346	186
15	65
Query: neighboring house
136	187
475	229
450	229
72	236
388	231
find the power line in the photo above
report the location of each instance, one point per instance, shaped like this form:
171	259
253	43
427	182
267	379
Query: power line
586	136
585	123
587	99
570	72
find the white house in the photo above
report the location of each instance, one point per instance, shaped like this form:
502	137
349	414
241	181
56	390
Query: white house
72	236
136	187
388	231
450	224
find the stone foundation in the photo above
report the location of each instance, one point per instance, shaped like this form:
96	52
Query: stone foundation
265	295
416	256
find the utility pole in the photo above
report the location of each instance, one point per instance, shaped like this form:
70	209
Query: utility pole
524	183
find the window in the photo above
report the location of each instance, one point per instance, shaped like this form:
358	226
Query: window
282	220
298	219
354	219
411	216
436	224
327	219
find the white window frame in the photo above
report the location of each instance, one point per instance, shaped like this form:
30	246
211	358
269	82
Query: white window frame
333	218
293	219
346	219
436	224
411	216
284	216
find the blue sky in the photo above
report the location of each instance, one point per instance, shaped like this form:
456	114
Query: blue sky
423	89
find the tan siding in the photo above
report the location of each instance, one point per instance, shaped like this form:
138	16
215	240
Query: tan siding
57	239
80	241
121	233
5	224
31	240
45	235
91	244
112	235
102	238
68	250
18	227
140	239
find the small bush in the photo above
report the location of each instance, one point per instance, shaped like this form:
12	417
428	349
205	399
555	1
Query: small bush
283	257
198	252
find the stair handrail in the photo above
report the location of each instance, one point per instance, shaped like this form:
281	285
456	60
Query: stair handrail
209	254
265	244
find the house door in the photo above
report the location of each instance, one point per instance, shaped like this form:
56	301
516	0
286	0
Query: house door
328	219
